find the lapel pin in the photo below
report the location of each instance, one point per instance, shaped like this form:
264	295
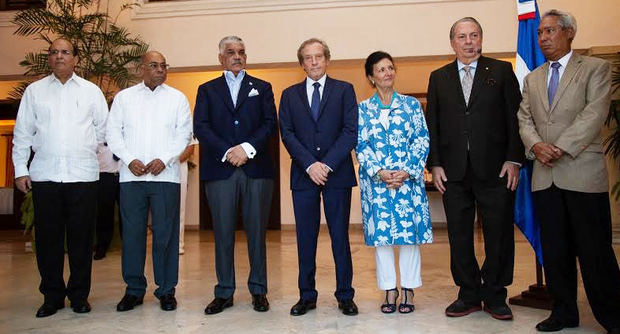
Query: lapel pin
486	68
250	83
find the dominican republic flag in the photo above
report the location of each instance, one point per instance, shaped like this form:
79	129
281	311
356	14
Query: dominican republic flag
529	57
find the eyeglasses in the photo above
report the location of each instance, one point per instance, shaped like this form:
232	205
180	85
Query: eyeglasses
54	52
154	66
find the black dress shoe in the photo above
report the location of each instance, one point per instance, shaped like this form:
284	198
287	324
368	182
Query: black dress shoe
302	307
554	324
459	308
168	302
128	303
499	312
218	305
80	306
348	307
49	308
260	303
99	254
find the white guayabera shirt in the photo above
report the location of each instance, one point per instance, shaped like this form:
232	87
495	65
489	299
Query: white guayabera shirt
63	124
147	124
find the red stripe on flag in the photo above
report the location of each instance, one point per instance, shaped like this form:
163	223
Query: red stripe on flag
527	16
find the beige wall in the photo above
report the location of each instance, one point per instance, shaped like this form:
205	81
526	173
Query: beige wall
417	28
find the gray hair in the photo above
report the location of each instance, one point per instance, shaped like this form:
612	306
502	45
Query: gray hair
229	39
465	19
313	40
566	20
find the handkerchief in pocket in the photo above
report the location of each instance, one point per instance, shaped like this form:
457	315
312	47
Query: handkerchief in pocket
253	92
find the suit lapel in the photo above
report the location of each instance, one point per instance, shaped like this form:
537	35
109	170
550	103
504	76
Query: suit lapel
569	73
455	81
326	90
303	95
541	83
244	90
224	92
482	72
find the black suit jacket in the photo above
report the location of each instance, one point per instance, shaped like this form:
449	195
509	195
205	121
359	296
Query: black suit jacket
489	123
219	125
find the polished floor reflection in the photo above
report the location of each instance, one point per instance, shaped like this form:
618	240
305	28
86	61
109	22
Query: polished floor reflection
20	298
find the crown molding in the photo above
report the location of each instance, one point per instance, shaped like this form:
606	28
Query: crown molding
164	9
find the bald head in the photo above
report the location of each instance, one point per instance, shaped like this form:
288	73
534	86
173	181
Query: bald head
154	69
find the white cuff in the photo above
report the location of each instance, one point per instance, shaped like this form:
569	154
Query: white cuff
249	150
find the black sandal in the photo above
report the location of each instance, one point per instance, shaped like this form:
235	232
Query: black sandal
387	307
405	307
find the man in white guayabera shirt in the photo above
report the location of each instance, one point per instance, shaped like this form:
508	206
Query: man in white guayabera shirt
148	128
62	118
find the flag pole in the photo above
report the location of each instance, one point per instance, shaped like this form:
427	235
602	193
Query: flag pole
529	57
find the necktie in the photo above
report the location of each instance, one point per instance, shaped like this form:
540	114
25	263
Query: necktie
466	83
553	83
316	101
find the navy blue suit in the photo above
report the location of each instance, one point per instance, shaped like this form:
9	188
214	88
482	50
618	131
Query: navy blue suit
219	125
329	140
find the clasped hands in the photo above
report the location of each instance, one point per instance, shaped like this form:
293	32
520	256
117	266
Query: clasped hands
154	167
546	153
393	178
318	173
236	156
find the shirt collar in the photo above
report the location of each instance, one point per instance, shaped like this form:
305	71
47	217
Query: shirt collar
564	60
472	65
230	76
145	87
73	78
310	82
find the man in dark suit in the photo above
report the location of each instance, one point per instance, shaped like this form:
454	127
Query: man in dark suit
318	120
234	118
565	103
475	156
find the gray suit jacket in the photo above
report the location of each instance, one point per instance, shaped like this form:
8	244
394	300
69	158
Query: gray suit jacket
573	123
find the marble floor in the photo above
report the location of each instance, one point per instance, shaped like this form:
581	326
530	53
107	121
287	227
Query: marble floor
20	298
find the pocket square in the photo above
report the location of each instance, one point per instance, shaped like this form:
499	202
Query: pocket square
253	92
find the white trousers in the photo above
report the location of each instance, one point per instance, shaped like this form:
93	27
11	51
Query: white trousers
183	171
409	265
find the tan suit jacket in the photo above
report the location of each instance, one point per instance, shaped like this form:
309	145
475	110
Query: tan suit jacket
573	123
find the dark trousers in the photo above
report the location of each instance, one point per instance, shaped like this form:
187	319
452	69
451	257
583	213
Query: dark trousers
496	203
307	207
59	209
163	199
108	191
576	224
225	197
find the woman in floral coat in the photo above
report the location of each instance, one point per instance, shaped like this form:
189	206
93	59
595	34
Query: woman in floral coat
392	148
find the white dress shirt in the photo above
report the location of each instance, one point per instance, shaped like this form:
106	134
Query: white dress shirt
147	124
234	85
310	87
563	62
63	124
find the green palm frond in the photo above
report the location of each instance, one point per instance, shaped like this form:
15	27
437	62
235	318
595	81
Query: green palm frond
107	53
32	21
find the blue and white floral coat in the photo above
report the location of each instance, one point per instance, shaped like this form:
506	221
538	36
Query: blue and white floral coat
393	216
